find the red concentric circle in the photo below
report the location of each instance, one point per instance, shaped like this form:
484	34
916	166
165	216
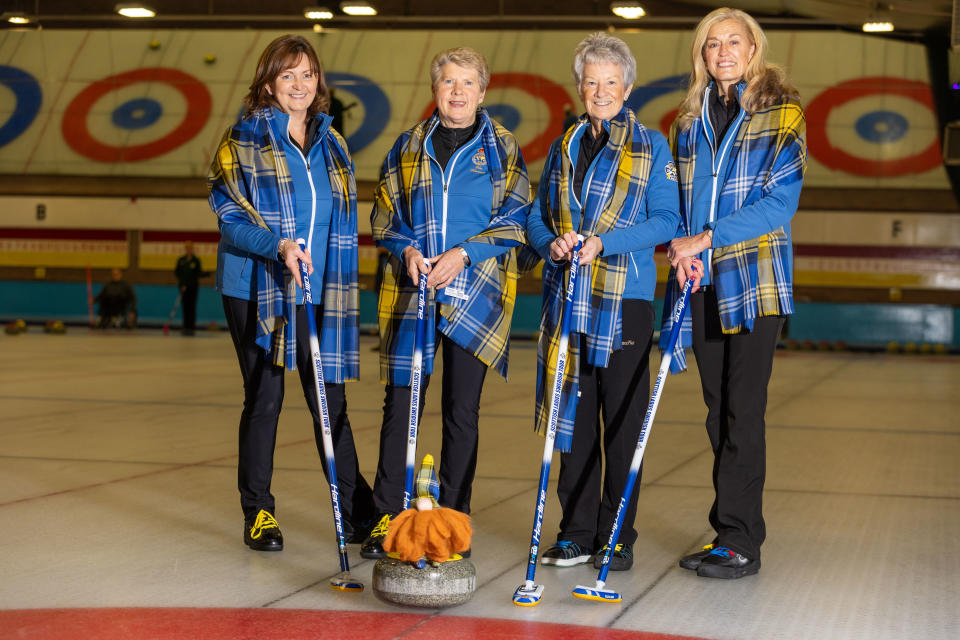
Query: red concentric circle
834	157
78	136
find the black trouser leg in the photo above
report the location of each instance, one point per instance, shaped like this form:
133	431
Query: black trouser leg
356	498
734	373
188	301
391	467
463	375
625	393
620	393
578	485
262	400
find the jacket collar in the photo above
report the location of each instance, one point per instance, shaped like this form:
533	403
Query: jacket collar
279	121
705	109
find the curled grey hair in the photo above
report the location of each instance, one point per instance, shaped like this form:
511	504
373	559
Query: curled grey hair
462	57
602	47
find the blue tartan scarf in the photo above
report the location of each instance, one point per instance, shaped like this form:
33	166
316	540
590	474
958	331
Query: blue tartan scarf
249	183
753	279
614	200
403	210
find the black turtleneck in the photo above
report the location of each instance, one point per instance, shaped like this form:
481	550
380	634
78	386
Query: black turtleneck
722	114
589	148
313	124
446	141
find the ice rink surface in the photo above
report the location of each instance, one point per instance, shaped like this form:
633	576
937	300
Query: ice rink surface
118	495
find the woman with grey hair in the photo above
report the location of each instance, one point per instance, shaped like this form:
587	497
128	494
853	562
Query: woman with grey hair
611	180
452	204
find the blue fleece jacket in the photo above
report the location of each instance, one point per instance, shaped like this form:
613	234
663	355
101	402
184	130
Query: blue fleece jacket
242	244
751	221
661	202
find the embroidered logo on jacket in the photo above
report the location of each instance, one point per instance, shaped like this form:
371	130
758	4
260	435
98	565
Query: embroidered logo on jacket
671	171
479	161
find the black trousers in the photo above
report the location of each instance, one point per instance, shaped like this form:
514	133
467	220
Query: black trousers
263	390
619	394
188	300
463	375
734	373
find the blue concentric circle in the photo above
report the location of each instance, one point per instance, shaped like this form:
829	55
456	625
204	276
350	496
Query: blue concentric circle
376	107
881	126
507	115
29	97
138	113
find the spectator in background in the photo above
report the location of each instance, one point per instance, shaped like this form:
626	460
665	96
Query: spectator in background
337	109
188	273
117	303
570	117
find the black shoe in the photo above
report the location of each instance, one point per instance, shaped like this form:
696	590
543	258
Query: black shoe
727	564
565	553
262	533
693	560
620	560
356	533
373	546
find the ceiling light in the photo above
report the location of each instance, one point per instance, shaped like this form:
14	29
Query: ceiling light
877	27
627	10
134	10
317	13
358	8
16	17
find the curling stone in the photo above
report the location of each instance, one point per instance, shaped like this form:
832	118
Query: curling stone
436	585
54	326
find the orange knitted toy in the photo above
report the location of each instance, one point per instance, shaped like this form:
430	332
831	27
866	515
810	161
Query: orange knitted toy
434	532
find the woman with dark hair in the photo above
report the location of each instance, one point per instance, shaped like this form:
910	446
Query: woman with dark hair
282	173
739	142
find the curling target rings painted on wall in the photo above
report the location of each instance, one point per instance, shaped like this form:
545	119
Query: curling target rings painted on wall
136	114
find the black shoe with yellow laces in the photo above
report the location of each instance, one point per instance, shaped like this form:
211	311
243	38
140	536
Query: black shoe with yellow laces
373	546
262	533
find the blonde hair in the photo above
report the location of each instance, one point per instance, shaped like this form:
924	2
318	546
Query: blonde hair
766	82
602	47
462	57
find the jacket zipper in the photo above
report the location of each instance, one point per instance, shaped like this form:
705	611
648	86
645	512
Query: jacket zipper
705	114
313	199
446	182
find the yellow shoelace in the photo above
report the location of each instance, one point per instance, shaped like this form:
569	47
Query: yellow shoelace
382	527
265	520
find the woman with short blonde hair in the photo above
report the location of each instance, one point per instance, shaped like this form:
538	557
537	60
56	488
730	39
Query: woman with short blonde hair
451	204
464	57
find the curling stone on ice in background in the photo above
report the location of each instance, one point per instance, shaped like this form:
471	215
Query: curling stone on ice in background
423	567
54	326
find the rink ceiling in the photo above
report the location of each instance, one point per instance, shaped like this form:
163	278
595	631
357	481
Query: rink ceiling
119	449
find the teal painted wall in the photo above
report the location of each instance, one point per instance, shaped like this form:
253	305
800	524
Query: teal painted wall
852	323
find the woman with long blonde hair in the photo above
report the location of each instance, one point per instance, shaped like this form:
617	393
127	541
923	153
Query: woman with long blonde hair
739	143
